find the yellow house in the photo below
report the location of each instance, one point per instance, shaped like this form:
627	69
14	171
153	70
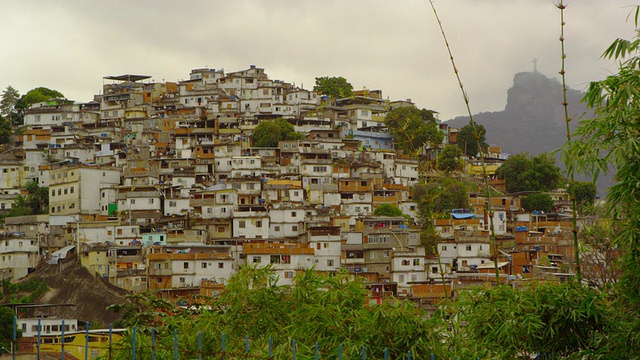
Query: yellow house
95	259
476	169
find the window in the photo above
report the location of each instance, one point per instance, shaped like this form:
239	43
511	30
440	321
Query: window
468	247
182	280
203	265
294	214
71	191
220	229
241	224
294	228
330	262
257	259
53	193
132	201
185	265
434	269
444	247
416	262
289	274
259	223
276	228
150	201
386	253
172	203
220	265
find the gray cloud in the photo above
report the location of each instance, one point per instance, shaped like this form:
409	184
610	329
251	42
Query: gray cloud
395	47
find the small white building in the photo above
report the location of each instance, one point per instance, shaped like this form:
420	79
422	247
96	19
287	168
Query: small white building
18	257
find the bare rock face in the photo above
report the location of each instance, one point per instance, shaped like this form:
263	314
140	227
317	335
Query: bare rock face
76	285
533	120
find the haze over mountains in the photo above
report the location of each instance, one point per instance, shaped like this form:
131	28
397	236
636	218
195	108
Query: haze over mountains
533	120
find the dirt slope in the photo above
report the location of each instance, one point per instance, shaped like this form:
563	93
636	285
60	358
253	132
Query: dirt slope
76	285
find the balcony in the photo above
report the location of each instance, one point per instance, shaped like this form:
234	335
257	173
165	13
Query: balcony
160	272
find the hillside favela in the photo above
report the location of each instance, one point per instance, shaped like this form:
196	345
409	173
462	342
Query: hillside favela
163	207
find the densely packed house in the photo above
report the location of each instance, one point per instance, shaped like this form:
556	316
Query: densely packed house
159	186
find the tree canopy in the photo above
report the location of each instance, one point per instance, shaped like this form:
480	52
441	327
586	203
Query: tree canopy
36	201
438	197
610	140
524	173
387	210
5	130
468	142
413	129
333	312
449	159
269	132
10	97
6	328
538	202
335	87
584	191
39	94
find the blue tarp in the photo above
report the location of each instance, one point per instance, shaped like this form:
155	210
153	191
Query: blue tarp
463	216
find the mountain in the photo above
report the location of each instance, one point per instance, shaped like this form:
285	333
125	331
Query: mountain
533	119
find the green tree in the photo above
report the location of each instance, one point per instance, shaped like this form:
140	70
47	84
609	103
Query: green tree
20	207
36	201
269	132
449	159
524	173
585	192
37	198
468	143
10	97
6	328
413	129
387	210
563	321
537	202
335	87
438	197
609	141
5	130
39	94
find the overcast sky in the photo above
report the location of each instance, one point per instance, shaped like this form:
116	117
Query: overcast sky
394	46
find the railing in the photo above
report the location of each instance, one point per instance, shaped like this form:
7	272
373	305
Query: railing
149	343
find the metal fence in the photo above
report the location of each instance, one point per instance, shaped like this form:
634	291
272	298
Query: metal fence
110	344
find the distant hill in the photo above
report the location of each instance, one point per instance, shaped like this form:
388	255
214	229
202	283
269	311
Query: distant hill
533	120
